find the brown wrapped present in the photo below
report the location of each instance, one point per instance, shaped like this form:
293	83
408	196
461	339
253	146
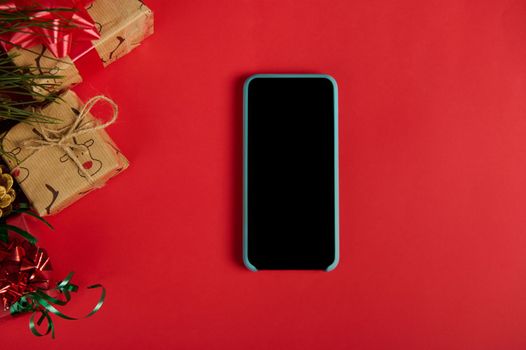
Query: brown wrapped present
122	25
56	164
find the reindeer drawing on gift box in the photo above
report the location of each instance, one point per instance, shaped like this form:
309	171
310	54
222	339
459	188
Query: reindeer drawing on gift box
89	164
20	173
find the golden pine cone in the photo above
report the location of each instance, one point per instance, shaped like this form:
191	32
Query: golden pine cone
7	193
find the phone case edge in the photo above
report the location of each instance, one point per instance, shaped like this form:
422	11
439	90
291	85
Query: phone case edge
246	259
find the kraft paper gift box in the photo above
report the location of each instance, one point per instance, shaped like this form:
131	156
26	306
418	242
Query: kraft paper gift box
53	173
122	25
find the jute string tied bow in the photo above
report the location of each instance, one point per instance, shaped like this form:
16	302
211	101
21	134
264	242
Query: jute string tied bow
65	137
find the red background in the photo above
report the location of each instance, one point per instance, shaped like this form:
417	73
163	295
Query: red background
433	190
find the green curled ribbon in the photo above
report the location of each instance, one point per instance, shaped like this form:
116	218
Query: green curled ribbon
39	302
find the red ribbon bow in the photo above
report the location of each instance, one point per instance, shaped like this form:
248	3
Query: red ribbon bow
58	25
24	268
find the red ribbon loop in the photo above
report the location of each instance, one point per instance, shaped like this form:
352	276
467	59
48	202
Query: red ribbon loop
64	27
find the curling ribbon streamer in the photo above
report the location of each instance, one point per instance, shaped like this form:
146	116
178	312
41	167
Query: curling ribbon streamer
41	303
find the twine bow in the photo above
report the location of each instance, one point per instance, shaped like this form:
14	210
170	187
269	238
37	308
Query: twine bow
65	137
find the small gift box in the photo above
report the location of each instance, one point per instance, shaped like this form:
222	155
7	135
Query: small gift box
56	164
112	28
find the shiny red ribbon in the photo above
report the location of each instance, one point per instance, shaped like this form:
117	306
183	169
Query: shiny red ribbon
24	268
58	25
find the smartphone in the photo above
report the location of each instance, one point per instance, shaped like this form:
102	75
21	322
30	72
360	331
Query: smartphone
290	172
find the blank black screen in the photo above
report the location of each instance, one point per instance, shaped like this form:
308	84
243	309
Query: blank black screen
290	173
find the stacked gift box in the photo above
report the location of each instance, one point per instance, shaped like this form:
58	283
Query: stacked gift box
65	152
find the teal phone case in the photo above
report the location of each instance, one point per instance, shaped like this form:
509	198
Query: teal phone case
246	260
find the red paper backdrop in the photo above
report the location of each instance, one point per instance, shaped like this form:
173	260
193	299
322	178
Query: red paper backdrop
433	189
